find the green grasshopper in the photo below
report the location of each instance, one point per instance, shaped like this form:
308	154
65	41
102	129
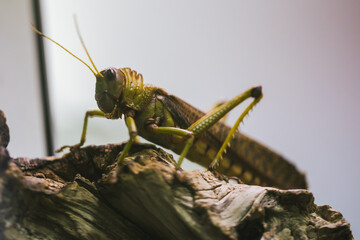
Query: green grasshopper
168	121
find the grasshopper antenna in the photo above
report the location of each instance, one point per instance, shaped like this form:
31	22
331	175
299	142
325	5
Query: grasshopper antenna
83	44
43	35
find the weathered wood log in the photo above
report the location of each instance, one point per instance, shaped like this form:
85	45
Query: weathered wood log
85	195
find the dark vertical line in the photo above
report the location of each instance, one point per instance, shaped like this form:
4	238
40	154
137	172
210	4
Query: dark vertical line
43	80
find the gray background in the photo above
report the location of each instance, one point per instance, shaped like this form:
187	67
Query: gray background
19	84
305	54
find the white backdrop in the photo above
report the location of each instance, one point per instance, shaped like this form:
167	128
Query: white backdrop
305	54
20	97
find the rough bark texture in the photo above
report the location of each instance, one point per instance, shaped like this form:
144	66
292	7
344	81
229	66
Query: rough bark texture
84	195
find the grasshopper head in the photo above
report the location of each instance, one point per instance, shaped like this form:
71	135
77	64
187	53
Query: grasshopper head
109	87
109	82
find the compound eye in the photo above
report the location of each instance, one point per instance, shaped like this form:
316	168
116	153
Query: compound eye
110	74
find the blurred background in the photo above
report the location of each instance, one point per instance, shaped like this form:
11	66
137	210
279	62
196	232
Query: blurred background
305	54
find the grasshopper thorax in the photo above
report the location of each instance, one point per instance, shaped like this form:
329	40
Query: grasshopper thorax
109	87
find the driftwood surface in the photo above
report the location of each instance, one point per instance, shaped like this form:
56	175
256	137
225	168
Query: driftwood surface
85	195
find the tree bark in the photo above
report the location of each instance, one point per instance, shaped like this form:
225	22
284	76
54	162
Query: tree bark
86	195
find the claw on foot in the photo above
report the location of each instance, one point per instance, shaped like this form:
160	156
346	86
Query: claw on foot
238	180
219	176
70	147
222	177
211	167
180	176
112	177
214	164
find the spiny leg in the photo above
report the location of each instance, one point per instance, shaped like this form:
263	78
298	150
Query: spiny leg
219	112
218	156
92	113
218	104
210	118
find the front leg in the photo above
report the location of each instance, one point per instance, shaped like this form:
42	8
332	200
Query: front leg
130	124
93	113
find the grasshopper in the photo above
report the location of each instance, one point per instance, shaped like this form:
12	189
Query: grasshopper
168	121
